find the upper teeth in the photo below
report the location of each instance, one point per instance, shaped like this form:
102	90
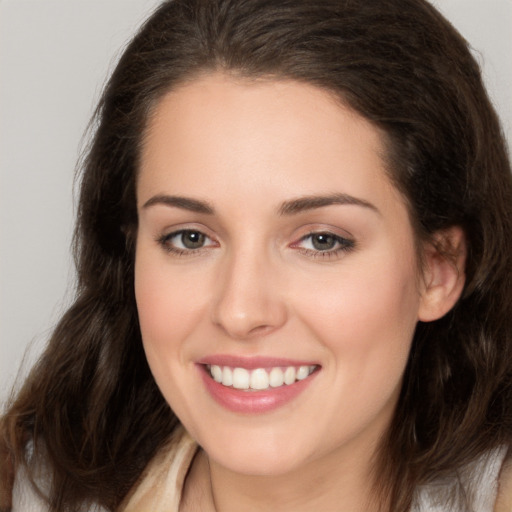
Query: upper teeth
259	378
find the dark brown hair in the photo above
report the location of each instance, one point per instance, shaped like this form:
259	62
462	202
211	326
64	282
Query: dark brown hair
91	407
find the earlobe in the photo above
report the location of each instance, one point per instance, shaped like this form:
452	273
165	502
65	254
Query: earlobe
443	273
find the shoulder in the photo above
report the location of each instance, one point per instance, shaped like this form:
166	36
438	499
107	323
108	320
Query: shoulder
504	499
30	490
160	486
485	483
25	497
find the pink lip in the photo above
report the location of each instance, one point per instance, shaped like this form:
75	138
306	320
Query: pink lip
252	402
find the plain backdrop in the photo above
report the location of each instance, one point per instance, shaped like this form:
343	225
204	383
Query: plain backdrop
54	58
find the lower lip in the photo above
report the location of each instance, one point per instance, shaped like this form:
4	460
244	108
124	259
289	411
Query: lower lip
253	402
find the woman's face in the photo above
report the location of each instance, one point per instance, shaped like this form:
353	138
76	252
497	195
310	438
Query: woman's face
274	254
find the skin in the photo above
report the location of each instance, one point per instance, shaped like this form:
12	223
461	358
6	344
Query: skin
504	498
258	286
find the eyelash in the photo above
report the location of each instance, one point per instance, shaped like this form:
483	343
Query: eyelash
344	245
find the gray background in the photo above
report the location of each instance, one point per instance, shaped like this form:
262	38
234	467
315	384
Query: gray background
54	58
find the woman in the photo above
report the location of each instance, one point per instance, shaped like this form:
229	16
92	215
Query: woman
294	274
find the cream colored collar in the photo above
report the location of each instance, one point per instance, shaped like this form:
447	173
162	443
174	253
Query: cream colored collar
160	486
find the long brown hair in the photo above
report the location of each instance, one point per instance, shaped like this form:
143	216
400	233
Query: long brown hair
90	407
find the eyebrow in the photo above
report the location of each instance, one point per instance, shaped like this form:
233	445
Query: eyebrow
186	203
291	207
306	203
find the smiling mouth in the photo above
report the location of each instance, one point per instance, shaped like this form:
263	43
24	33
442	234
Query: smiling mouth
258	379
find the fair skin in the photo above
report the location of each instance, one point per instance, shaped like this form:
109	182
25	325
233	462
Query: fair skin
504	499
234	264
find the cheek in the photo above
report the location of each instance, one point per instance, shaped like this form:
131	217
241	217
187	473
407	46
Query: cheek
154	302
167	304
169	309
367	311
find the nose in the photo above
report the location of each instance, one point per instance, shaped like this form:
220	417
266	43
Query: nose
249	301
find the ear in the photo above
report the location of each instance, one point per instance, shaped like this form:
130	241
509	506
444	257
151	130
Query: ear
443	273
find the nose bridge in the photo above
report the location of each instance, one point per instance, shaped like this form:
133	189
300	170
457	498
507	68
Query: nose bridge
248	299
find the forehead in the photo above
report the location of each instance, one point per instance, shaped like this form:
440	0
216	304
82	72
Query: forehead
218	133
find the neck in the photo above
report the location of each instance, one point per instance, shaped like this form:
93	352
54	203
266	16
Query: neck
329	483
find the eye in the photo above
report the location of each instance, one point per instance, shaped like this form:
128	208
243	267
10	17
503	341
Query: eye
321	241
324	244
186	241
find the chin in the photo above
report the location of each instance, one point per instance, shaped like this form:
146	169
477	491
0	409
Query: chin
257	453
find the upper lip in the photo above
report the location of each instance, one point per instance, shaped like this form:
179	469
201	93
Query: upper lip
253	362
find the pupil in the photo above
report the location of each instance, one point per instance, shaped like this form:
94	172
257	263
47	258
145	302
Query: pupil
323	242
192	239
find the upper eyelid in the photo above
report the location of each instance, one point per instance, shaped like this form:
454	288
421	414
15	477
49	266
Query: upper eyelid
344	236
315	229
179	228
339	238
